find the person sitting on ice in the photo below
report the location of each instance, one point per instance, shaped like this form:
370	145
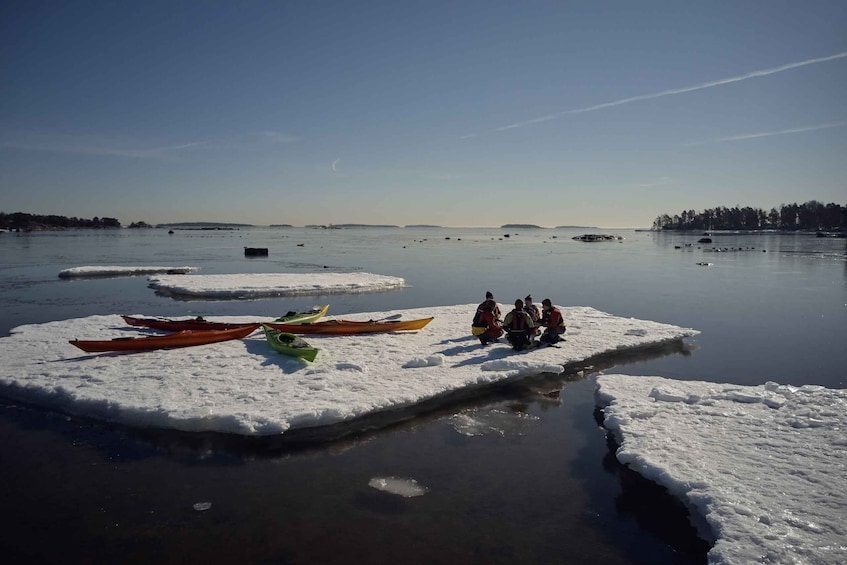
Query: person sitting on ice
490	296
553	321
486	325
533	312
519	327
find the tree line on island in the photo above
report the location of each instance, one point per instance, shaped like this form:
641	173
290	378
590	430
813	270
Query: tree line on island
810	216
23	221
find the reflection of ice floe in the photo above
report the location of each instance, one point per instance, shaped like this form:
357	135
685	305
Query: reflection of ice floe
407	488
493	422
116	271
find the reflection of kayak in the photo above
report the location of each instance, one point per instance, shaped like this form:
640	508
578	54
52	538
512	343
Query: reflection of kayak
200	324
347	327
290	344
185	338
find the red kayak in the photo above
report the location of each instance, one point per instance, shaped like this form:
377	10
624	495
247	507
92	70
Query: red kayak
185	338
180	325
167	325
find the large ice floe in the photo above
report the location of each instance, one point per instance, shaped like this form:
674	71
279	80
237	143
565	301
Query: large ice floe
121	271
258	285
245	387
766	466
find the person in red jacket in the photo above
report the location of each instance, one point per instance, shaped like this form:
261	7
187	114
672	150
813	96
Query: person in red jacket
486	324
533	312
490	296
553	321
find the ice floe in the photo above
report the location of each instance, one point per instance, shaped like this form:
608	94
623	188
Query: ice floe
766	466
245	387
119	271
258	285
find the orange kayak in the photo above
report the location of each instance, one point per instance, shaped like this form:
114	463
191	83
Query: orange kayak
185	338
348	327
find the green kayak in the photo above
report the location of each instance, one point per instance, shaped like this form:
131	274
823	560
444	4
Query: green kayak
308	317
290	344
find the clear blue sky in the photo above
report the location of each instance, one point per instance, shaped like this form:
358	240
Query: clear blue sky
451	113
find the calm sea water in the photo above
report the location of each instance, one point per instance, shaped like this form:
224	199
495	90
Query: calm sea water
542	487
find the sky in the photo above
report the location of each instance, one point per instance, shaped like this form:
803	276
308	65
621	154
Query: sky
449	113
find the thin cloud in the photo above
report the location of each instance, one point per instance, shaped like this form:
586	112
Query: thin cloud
334	163
90	145
60	143
780	132
674	91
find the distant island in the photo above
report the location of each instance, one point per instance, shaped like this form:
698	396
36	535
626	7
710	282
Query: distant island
811	216
203	225
422	226
346	226
520	227
280	226
23	221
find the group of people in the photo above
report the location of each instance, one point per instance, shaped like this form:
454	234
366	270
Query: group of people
521	326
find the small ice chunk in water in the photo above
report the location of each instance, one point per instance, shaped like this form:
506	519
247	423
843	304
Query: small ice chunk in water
202	506
495	421
406	488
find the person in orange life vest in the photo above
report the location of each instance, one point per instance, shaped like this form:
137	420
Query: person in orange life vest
486	319
519	327
533	312
553	321
490	296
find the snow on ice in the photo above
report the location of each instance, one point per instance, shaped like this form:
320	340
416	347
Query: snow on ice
766	466
245	387
118	271
257	285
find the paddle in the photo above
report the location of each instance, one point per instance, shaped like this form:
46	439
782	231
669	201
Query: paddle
391	317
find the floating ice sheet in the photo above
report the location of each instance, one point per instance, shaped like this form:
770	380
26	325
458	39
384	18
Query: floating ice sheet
118	271
765	465
258	285
245	387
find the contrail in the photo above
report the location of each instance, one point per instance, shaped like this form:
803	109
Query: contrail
781	132
334	163
671	92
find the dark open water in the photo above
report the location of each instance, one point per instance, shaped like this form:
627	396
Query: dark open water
543	488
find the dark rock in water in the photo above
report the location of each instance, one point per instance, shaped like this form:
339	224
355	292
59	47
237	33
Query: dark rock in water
255	251
704	240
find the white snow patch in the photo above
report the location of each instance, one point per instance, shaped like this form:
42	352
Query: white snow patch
766	466
245	387
257	285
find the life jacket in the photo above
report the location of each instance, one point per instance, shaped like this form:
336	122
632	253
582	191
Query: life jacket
517	323
555	319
